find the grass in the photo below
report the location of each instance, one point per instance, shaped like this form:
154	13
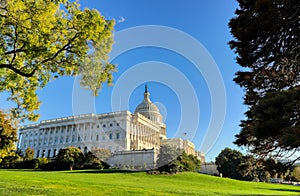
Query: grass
93	182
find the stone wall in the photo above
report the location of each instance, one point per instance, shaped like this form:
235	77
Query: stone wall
134	160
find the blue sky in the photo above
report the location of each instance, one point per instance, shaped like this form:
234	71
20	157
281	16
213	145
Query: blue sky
206	22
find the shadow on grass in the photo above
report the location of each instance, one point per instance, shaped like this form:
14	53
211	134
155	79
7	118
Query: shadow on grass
287	189
284	189
106	171
90	171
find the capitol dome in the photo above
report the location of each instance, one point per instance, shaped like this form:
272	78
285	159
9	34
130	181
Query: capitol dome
149	109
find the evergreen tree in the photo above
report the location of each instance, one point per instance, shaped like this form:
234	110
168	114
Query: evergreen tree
266	39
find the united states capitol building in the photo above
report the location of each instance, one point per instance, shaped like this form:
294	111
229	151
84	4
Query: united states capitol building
133	138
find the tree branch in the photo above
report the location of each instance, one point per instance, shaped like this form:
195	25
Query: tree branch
65	47
18	71
15	51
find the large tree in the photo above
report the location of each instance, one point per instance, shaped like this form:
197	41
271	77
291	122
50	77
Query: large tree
45	39
228	162
266	39
69	157
8	136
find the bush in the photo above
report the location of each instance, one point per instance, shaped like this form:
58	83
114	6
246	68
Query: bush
36	163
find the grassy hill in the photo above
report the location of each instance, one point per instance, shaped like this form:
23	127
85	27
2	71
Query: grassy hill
91	182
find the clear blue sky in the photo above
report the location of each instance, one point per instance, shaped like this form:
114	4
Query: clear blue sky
205	21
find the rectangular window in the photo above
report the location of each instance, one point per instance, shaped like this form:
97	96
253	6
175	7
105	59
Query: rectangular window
110	136
104	125
97	137
118	135
111	125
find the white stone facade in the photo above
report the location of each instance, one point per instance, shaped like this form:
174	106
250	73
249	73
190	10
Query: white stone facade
116	131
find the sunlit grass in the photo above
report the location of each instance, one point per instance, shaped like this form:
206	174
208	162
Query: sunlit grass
92	182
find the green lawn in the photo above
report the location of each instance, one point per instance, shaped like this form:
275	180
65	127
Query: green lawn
91	182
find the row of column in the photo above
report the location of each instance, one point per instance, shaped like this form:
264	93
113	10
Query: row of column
141	132
65	134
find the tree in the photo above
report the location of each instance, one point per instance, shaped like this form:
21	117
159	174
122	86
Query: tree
8	136
188	162
101	153
173	160
91	161
69	157
275	127
167	159
228	162
43	39
29	154
296	173
266	39
252	169
276	168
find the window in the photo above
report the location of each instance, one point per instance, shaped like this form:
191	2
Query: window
118	124
110	124
110	136
97	126
97	137
118	135
104	125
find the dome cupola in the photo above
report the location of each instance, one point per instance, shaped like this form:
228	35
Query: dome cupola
149	109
